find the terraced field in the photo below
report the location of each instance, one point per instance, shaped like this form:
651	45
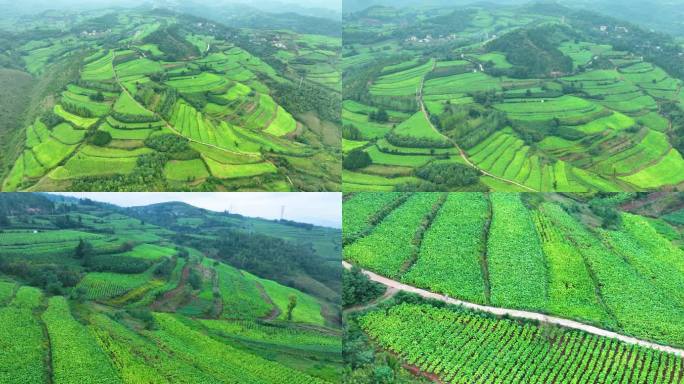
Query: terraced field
116	300
154	100
598	122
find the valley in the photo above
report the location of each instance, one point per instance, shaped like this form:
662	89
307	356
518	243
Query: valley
529	98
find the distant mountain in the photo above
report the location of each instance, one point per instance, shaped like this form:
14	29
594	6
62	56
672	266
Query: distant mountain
660	15
349	6
250	16
664	16
300	255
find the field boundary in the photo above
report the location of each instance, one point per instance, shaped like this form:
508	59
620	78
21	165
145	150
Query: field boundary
173	129
520	314
465	158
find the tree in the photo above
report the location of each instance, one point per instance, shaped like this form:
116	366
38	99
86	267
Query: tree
356	160
100	138
82	249
381	116
291	306
357	288
383	374
97	97
195	279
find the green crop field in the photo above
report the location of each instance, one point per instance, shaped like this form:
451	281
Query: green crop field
578	114
540	257
182	87
612	261
510	350
107	294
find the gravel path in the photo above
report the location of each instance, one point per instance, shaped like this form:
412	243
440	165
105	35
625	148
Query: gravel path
521	314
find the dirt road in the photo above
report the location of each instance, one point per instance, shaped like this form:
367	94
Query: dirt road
521	314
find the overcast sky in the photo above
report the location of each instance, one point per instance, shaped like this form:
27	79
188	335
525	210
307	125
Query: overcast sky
268	5
316	208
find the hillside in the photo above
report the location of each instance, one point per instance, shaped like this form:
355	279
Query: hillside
613	261
156	100
585	260
529	98
83	280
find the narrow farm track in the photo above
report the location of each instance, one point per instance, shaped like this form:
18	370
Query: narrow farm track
275	311
389	292
542	318
173	129
48	350
458	147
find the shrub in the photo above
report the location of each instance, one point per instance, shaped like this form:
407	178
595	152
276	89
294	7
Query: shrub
100	138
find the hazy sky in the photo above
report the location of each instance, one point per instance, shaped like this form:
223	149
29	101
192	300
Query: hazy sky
316	208
269	5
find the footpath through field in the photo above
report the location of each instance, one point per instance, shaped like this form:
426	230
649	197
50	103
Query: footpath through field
421	102
519	314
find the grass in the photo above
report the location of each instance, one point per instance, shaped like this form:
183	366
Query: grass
417	126
355	181
52	152
83	101
78	121
138	67
666	172
563	108
401	83
350	145
283	123
126	105
76	357
307	310
236	171
499	60
125	134
186	170
100	69
198	83
463	83
402	160
66	134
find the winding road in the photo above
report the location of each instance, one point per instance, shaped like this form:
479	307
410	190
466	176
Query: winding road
542	318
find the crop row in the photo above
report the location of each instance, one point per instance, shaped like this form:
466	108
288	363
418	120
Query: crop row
450	255
274	334
465	347
225	363
360	210
21	338
76	357
637	304
572	292
391	244
516	263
